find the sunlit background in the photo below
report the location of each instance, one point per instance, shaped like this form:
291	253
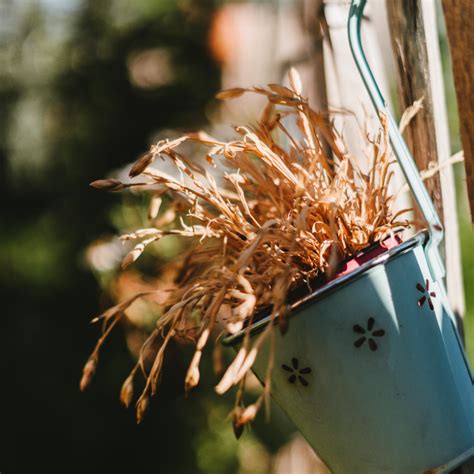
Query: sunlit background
85	87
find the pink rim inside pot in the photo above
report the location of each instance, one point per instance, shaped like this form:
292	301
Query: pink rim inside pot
368	255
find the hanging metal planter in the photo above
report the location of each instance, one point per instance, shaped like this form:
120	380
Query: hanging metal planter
372	371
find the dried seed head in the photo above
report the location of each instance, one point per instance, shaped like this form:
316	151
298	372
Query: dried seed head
87	373
193	375
141	164
236	425
126	393
110	184
142	407
138	250
131	257
238	429
249	414
230	93
281	90
192	379
228	378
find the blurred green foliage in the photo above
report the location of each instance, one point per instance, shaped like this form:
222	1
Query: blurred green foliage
72	112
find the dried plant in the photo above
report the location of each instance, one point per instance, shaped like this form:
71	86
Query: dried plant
282	212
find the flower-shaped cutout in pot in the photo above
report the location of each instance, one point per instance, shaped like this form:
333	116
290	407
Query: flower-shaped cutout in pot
369	335
297	374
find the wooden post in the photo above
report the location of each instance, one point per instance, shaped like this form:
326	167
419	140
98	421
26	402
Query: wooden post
459	15
415	44
409	45
313	20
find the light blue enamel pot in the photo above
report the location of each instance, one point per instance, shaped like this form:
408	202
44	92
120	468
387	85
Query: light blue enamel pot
371	370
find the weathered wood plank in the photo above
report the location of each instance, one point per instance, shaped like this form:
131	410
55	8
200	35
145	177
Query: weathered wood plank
459	16
312	14
452	247
409	45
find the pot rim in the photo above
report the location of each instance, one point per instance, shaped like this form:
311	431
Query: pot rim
418	239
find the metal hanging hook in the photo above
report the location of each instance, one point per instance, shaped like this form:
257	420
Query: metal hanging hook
399	147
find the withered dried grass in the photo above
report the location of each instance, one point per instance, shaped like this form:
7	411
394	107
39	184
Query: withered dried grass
282	212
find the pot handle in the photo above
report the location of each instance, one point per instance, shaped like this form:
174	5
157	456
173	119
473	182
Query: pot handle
399	147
